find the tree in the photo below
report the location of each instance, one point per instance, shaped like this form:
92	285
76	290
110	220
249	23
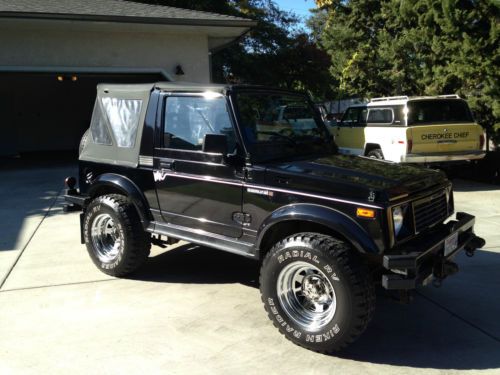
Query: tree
416	47
276	52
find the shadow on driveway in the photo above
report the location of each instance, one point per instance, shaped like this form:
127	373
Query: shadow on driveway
192	264
460	185
29	185
421	334
26	194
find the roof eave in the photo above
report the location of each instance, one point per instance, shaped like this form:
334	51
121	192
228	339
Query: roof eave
230	43
128	19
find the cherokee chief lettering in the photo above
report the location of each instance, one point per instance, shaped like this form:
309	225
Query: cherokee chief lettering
444	135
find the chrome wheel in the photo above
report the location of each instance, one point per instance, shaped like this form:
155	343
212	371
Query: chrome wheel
106	239
306	295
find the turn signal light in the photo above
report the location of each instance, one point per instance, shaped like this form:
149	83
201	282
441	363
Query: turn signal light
365	212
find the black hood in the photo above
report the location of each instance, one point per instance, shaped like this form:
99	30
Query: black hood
353	177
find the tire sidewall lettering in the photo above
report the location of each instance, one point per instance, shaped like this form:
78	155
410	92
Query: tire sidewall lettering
293	254
306	255
297	333
89	217
334	327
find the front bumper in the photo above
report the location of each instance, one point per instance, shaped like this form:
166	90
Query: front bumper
443	157
420	260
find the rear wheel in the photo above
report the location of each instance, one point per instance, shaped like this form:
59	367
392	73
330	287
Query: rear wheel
316	292
115	239
376	154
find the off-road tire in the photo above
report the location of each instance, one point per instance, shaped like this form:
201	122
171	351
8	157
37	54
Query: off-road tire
135	243
350	279
376	154
83	141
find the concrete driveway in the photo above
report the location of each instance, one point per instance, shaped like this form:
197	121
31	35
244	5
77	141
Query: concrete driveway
196	310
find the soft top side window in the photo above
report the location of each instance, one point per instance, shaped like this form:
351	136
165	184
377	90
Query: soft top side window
98	129
189	118
122	115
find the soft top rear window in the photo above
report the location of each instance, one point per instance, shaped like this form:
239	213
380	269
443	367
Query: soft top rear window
438	111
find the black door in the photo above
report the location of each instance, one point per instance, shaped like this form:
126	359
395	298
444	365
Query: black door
197	189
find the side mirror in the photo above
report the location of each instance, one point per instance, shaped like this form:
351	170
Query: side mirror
215	144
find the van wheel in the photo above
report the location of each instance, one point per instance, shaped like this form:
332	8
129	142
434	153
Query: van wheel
376	154
114	236
316	291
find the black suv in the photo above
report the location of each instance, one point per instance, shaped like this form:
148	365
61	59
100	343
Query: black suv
254	171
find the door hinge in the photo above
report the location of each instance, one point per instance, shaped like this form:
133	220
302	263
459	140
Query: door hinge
243	174
242	218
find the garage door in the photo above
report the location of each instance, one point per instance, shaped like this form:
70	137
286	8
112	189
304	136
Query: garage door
50	111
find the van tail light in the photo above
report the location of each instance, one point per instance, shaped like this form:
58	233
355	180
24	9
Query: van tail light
409	145
481	141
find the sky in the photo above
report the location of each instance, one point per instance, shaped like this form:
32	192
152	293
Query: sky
300	7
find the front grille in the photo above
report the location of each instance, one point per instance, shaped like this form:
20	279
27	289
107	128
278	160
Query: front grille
430	211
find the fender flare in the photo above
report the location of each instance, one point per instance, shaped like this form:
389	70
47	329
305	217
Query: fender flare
326	216
128	188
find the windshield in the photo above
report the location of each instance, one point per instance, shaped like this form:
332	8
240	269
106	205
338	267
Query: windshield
280	126
438	111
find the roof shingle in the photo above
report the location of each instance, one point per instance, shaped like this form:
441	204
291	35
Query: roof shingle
118	10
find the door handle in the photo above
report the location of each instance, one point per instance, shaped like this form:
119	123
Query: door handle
167	165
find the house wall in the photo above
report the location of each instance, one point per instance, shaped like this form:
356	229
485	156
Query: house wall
42	114
46	43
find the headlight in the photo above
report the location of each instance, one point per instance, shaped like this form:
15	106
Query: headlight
397	219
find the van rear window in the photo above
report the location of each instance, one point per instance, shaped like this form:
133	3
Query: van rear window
438	111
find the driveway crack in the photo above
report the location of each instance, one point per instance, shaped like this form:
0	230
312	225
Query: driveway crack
29	240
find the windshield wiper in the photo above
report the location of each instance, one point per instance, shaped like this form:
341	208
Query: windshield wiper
279	135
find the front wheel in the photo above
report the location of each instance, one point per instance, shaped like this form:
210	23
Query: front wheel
316	292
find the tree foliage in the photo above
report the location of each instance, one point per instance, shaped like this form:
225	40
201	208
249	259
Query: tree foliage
276	52
415	47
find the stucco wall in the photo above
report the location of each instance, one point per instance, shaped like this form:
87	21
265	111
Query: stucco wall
42	43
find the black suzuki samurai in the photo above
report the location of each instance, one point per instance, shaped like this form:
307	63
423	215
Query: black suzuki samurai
254	171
